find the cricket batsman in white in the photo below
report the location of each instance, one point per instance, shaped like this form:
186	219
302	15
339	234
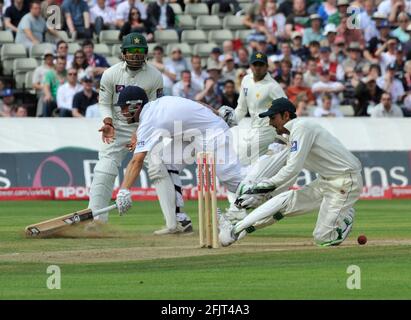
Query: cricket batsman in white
334	192
191	126
119	136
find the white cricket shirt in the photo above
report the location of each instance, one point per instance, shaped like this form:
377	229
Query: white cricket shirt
174	117
315	149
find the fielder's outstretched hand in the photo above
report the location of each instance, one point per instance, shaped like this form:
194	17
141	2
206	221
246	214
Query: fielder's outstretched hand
123	201
107	133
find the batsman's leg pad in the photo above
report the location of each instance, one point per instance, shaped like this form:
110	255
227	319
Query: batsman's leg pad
105	173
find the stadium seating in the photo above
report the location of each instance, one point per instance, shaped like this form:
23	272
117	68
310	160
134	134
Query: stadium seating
116	50
37	51
233	23
184	47
6	37
109	37
73	47
186	22
176	8
8	53
151	47
203	49
196	9
166	36
215	9
212	22
243	34
193	36
20	67
347	110
219	36
102	49
28	80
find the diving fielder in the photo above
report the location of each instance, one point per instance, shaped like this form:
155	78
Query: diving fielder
191	126
116	132
334	192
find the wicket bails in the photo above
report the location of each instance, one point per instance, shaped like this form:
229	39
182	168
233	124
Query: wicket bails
207	200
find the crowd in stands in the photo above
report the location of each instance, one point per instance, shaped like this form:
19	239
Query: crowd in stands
332	58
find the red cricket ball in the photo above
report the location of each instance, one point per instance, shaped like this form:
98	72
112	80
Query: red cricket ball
362	239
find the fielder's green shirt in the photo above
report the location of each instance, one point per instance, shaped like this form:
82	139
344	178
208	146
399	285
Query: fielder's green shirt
53	81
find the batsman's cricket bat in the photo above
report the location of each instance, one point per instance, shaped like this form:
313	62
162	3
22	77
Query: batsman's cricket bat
48	227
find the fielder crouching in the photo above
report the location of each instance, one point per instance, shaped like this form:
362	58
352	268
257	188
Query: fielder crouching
334	192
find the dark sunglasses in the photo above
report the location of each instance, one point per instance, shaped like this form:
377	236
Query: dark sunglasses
72	74
135	50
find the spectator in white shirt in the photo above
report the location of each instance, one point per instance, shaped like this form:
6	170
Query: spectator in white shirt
327	109
102	17
123	10
325	85
286	54
185	87
198	75
391	84
168	72
66	92
391	8
386	109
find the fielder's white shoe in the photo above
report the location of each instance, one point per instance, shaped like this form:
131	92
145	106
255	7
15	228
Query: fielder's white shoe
183	227
344	231
225	235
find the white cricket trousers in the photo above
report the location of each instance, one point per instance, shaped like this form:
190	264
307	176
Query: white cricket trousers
333	197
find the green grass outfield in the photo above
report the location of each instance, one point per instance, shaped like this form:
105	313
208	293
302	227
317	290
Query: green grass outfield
126	261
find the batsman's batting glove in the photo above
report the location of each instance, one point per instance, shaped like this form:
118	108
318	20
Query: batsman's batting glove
123	201
227	113
264	186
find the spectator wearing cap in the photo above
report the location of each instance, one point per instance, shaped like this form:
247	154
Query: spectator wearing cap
400	60
297	88
298	18
353	60
327	108
325	85
311	75
32	27
386	108
326	9
77	17
186	88
367	23
338	17
326	63
214	71
287	54
66	92
330	34
214	56
177	62
52	80
7	104
229	71
13	15
38	77
258	89
297	47
102	17
96	62
198	75
314	33
384	29
401	31
368	94
274	21
160	15
167	71
243	58
123	11
230	95
387	53
389	83
84	98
